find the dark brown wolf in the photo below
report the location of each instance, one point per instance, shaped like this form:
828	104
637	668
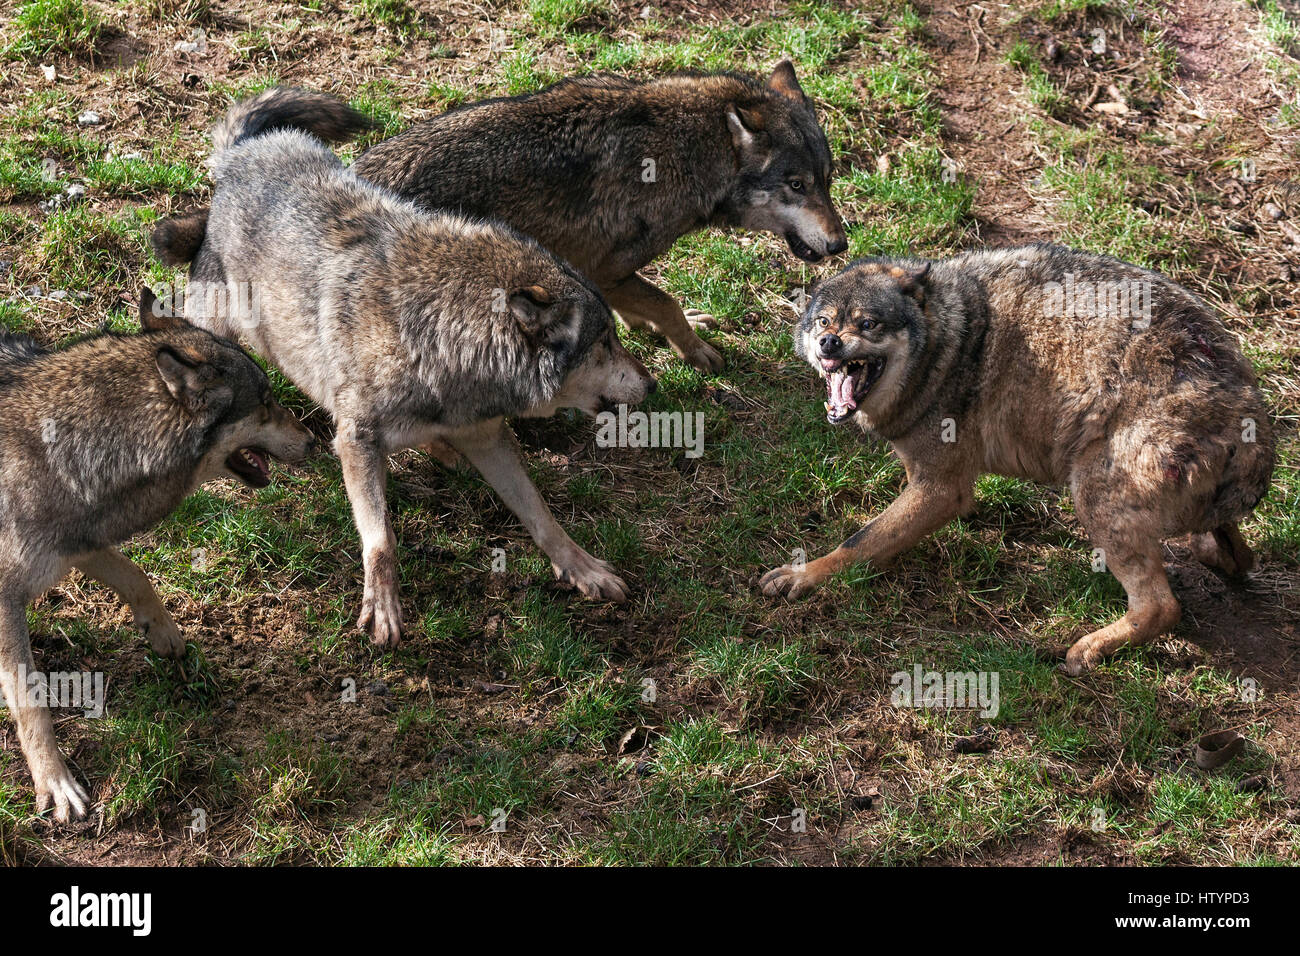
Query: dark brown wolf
1057	366
608	173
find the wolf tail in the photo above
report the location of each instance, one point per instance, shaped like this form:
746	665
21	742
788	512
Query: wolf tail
285	107
177	240
1247	473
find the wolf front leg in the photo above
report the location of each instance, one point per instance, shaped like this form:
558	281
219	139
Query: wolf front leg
640	303
921	509
492	449
112	568
55	786
365	474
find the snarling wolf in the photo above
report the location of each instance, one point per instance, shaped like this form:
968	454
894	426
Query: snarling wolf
98	442
608	173
1056	366
411	328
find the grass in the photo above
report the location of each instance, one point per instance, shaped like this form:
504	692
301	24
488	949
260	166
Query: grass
46	27
1040	88
701	724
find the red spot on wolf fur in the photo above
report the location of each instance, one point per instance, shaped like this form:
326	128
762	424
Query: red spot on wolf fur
1173	472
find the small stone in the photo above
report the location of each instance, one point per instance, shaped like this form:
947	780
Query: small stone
33	292
198	42
58	295
1272	211
51	74
75	192
89	118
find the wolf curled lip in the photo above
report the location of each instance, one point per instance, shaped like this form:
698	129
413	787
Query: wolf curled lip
970	365
98	442
411	328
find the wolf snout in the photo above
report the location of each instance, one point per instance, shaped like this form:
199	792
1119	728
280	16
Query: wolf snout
830	345
836	246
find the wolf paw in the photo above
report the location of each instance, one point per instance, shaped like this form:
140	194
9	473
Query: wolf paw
57	789
1079	659
164	636
594	578
700	320
788	581
704	357
381	615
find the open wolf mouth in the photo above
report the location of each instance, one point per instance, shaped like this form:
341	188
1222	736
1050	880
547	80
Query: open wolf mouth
801	248
847	383
252	465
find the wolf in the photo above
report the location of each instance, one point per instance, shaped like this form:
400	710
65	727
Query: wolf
1057	366
411	328
608	173
100	441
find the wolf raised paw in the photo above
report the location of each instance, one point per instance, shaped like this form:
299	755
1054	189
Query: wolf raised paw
164	636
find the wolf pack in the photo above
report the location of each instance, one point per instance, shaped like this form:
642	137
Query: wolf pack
468	271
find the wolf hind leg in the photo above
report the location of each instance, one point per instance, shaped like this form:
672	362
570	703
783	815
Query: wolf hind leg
1152	608
112	568
56	788
643	305
1224	549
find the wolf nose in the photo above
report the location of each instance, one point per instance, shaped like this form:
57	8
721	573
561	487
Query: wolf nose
651	387
829	344
836	247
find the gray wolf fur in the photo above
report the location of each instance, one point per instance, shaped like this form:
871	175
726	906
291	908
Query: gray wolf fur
411	328
570	166
1057	366
98	442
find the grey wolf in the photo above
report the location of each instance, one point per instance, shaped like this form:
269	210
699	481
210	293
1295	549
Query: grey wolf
608	173
411	328
1056	366
98	442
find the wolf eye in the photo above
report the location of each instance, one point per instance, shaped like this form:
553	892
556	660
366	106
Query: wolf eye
822	322
795	183
867	325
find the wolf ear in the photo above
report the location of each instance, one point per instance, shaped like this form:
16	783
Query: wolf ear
193	382
913	281
783	82
746	126
153	314
532	309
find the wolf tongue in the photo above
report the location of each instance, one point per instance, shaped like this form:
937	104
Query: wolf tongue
840	386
